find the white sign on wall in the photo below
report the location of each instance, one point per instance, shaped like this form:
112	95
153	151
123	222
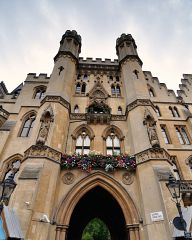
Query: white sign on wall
157	216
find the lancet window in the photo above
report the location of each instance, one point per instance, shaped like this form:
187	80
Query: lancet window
28	126
83	143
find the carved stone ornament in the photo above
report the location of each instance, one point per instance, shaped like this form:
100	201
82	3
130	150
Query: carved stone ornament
98	93
127	178
58	99
46	119
68	178
139	102
150	123
152	154
42	151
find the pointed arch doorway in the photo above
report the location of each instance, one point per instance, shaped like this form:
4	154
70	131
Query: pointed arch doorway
97	196
97	203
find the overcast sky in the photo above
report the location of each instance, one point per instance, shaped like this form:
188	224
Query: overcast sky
30	31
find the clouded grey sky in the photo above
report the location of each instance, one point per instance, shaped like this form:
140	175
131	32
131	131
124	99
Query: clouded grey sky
30	31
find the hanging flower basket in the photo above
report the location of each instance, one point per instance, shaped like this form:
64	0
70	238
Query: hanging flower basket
89	162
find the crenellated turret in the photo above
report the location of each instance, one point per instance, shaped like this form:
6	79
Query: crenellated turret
130	66
126	48
66	60
70	44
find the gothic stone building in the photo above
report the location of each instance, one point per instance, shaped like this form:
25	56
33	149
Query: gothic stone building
96	109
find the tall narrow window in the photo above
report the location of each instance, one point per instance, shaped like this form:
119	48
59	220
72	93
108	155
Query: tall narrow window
165	135
119	112
176	113
158	111
76	109
118	90
79	76
185	137
172	112
85	77
113	90
78	88
40	93
151	92
179	136
83	88
83	143
113	144
28	126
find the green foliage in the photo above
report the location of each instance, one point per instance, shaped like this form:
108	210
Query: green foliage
96	230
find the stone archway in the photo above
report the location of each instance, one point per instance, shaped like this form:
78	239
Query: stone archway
97	185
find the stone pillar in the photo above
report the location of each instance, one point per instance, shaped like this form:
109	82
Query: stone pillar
133	231
61	232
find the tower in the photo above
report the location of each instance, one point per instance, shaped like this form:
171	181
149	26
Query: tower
93	141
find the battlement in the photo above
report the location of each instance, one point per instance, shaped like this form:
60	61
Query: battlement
106	61
34	77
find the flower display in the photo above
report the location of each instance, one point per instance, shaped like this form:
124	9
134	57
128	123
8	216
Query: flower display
97	161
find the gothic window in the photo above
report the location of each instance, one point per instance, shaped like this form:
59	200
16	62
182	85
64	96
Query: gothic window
13	169
115	90
79	76
113	144
176	113
151	92
117	78
76	109
28	126
78	88
85	77
40	93
182	135
111	78
83	143
157	111
165	134
83	88
136	73
120	112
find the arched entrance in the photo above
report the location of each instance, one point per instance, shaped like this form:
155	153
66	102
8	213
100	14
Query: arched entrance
91	194
97	203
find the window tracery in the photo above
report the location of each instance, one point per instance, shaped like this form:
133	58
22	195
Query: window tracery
28	125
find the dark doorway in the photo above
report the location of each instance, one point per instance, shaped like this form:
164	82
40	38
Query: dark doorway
97	203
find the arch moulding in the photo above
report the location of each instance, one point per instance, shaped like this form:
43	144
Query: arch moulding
68	203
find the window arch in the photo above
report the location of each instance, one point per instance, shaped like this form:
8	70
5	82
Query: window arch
82	139
165	134
76	109
115	90
120	111
83	88
113	138
83	143
151	92
157	111
40	92
176	113
28	125
78	88
182	135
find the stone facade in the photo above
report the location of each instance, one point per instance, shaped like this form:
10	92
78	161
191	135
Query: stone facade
43	119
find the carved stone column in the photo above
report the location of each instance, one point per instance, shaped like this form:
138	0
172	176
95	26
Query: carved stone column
61	232
133	231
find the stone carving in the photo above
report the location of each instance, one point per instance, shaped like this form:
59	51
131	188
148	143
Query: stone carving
98	93
127	178
46	119
139	102
152	154
77	116
42	151
150	123
56	99
68	178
